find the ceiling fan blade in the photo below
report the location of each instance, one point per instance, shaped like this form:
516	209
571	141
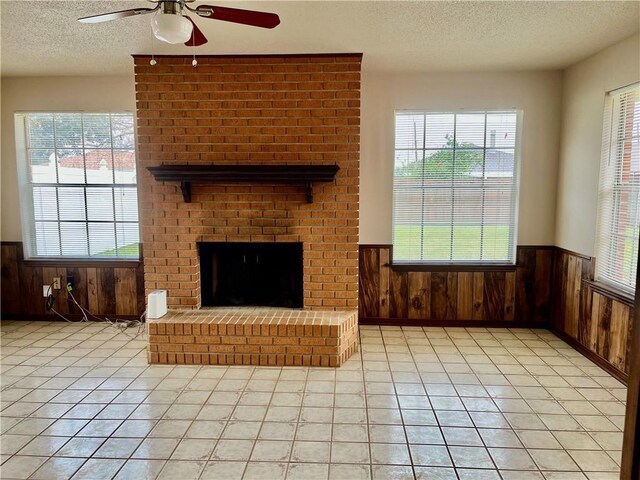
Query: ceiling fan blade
197	37
236	15
105	17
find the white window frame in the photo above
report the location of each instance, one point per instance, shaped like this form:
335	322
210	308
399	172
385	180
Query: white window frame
27	209
609	189
511	260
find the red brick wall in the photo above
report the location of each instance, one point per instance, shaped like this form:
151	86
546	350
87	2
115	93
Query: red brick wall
302	109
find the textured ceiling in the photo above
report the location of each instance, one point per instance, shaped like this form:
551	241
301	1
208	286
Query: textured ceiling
44	38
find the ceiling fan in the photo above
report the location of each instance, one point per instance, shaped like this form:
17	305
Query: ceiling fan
170	23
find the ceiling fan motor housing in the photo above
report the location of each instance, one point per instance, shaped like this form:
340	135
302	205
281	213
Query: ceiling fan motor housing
171	6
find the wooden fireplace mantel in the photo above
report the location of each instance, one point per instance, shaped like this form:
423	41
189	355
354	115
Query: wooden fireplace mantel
188	174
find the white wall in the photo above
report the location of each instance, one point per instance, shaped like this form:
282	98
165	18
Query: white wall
538	94
49	94
585	85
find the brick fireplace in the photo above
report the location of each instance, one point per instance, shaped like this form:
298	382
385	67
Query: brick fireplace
250	111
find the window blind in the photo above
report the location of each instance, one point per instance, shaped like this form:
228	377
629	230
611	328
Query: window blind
80	190
619	190
455	187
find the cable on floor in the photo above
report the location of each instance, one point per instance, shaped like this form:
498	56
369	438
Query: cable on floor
122	325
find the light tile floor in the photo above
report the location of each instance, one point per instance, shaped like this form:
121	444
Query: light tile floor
79	401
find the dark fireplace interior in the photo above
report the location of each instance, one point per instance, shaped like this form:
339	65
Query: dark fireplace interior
251	274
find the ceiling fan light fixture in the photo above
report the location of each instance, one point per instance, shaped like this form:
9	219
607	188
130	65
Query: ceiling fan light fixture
171	27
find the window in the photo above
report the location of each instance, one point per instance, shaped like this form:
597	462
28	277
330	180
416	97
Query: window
619	190
78	184
455	187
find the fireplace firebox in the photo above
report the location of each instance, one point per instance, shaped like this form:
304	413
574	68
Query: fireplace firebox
251	274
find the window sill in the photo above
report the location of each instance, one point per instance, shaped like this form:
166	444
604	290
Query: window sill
610	292
82	262
453	267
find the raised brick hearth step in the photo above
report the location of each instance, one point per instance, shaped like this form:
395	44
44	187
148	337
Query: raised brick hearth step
253	336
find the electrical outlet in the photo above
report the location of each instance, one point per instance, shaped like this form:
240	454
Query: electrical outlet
46	290
70	281
56	283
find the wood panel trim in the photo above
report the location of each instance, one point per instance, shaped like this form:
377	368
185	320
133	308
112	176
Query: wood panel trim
53	262
610	292
571	252
593	356
61	262
536	247
423	322
453	267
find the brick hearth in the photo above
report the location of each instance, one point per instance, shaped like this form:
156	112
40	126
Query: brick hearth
254	336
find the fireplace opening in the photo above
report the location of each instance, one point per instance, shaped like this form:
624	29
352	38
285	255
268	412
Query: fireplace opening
251	274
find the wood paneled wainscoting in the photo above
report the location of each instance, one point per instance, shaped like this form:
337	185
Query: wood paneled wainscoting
492	296
595	320
103	287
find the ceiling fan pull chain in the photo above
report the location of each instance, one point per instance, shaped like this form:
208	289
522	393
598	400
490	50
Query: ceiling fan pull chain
153	60
193	46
